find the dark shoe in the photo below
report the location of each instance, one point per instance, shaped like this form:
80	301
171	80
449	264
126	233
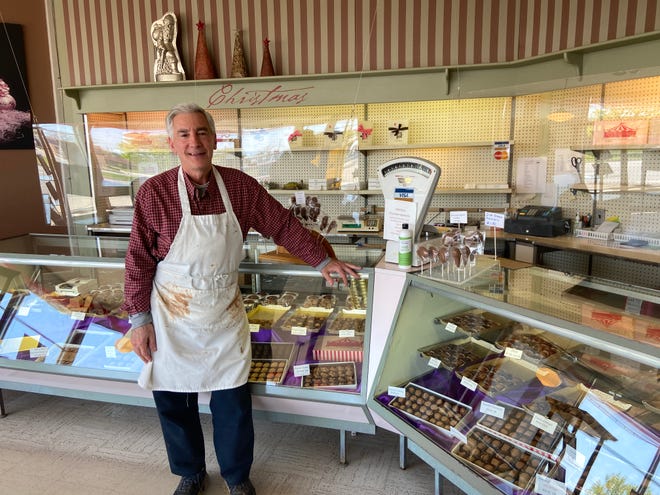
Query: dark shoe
244	488
191	485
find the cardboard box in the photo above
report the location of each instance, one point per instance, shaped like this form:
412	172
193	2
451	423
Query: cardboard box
334	348
620	132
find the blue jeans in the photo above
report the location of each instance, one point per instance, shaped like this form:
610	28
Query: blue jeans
233	432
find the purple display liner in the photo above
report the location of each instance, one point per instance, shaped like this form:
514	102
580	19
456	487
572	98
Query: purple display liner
447	383
504	486
302	354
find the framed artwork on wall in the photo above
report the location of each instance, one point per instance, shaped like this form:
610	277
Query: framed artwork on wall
15	114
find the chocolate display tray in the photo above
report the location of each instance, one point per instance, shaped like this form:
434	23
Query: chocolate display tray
469	349
536	345
503	460
268	370
337	375
272	350
473	322
266	316
516	427
507	374
346	319
431	408
311	320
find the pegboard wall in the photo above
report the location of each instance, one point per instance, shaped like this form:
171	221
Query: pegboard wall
625	177
457	135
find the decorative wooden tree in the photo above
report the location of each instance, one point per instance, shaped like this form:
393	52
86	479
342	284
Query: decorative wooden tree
238	67
267	68
203	64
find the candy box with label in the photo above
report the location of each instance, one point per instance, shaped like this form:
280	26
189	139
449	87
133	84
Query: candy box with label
336	348
620	132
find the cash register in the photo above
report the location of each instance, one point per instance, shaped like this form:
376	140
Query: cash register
542	221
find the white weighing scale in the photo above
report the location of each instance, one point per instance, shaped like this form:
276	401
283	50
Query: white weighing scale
408	184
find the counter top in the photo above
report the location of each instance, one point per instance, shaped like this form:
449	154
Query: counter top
590	246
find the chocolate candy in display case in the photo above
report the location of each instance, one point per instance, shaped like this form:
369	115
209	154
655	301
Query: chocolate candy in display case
472	322
459	353
431	408
505	461
340	375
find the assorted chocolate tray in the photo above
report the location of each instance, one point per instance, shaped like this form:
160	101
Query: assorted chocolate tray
325	301
517	426
308	320
496	376
459	353
268	370
472	322
330	375
431	408
506	461
531	344
345	319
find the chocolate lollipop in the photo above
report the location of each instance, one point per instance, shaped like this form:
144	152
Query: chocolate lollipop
422	254
456	256
465	254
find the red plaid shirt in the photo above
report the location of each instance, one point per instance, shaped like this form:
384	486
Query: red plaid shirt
158	215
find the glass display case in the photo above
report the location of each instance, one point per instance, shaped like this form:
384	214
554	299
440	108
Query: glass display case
526	381
62	319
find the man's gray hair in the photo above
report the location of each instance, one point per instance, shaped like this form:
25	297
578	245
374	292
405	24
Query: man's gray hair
187	108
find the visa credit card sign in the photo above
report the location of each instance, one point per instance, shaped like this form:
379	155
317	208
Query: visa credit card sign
404	194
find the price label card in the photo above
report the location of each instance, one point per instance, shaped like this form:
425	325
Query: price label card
633	305
548	486
270	383
254	327
78	315
347	333
491	409
544	423
300	197
513	353
298	330
494	219
24	311
451	327
301	370
110	352
469	384
396	391
458	217
434	363
37	352
457	434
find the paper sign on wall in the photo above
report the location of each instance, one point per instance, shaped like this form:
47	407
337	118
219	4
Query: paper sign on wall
530	175
458	217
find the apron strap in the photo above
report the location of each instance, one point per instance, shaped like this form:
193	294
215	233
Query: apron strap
183	193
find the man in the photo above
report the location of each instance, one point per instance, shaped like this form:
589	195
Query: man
188	322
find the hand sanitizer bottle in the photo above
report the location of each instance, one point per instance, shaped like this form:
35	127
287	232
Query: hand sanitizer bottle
405	247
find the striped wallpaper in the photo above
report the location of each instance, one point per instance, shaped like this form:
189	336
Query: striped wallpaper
327	36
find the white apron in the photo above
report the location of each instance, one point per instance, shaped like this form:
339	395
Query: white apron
202	332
